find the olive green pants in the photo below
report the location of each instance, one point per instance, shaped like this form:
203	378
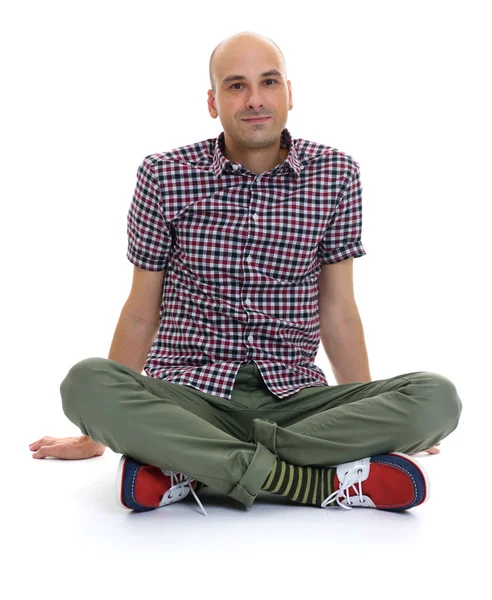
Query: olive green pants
231	445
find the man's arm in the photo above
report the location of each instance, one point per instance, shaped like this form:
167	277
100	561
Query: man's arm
139	320
341	331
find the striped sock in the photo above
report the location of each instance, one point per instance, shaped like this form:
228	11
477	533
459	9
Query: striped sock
307	485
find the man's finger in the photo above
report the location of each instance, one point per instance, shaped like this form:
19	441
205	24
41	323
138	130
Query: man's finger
44	451
46	441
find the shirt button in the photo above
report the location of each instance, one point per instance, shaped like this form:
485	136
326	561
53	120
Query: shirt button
248	259
255	216
250	338
235	167
247	301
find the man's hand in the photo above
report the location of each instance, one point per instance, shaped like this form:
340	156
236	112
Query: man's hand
433	450
70	448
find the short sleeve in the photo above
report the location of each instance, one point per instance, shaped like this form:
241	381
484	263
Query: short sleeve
149	238
342	238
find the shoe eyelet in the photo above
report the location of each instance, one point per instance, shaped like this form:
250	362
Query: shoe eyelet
170	496
359	470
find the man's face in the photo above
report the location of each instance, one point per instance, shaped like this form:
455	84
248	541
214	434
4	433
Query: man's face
259	94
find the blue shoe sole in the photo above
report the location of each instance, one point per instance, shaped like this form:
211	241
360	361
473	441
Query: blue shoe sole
415	470
127	471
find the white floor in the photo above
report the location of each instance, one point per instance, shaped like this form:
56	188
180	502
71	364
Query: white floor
65	536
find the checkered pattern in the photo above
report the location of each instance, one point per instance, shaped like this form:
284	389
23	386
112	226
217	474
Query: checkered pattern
242	254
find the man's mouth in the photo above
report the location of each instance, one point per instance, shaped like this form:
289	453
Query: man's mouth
257	120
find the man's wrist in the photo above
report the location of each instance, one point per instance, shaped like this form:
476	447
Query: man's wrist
86	438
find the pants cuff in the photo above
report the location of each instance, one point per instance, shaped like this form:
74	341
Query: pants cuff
246	490
265	432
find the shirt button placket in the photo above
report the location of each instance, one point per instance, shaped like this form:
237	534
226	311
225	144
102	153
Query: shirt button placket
248	258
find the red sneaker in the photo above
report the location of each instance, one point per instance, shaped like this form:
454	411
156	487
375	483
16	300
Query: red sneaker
141	487
393	482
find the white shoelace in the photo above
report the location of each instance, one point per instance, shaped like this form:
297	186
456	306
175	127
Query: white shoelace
179	481
344	486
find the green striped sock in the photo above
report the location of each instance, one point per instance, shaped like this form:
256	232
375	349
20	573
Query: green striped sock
307	485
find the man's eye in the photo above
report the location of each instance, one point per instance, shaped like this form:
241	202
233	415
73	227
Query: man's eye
265	80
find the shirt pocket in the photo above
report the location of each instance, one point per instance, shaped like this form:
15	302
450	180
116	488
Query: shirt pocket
210	237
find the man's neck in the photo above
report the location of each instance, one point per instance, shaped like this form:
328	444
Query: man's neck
260	160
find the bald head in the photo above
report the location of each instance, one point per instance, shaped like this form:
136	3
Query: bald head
237	43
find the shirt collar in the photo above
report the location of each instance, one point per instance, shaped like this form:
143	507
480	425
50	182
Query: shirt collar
221	164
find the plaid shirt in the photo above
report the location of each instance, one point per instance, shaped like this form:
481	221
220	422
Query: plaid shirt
242	254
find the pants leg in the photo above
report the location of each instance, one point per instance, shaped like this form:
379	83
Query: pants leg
330	425
168	425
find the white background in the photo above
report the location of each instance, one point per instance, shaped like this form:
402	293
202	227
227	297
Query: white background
91	88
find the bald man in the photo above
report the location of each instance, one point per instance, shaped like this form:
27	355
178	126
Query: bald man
243	249
253	124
